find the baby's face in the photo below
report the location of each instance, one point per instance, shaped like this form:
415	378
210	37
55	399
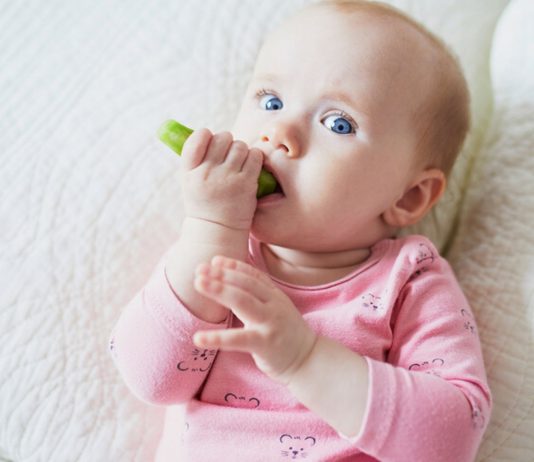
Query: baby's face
330	104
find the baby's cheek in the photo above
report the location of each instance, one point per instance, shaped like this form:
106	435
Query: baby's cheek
246	128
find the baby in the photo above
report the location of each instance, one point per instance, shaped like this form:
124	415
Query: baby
300	325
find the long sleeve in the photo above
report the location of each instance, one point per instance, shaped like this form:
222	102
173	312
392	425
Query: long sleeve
430	401
151	345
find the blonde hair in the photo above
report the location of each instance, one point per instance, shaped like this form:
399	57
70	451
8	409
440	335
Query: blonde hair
442	120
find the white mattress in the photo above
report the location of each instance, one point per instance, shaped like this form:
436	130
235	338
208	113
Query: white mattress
90	199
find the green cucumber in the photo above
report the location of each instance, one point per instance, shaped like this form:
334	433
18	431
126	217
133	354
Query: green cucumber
174	134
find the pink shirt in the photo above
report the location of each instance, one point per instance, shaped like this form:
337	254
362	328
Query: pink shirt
403	310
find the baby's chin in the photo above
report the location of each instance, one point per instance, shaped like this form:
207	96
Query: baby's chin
274	235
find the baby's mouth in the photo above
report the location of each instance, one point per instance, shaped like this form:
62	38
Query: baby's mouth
278	189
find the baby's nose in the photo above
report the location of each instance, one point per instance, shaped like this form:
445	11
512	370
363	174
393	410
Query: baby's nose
283	135
290	148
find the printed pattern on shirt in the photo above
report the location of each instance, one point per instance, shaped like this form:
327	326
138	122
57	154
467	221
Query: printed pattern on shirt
372	302
241	401
199	361
468	321
428	367
296	447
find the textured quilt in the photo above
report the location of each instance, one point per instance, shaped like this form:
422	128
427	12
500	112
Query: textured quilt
90	199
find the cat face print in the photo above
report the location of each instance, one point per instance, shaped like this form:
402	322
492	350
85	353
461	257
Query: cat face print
477	416
296	447
425	255
241	401
468	321
372	302
425	258
199	361
429	367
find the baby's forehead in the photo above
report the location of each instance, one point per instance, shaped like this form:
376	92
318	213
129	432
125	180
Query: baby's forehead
324	39
329	41
323	29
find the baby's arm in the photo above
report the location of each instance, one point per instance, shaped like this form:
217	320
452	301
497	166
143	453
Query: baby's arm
321	373
199	242
151	343
333	383
219	183
430	401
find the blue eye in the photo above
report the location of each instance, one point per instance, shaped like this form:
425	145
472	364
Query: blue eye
271	103
339	124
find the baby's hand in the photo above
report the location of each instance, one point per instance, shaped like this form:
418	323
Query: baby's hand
274	332
220	179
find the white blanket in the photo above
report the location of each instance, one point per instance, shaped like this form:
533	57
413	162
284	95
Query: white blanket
90	199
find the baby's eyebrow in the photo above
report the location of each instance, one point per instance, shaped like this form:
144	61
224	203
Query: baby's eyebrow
344	97
268	77
358	106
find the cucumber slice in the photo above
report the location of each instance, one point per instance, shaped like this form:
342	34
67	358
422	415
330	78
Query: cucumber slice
174	134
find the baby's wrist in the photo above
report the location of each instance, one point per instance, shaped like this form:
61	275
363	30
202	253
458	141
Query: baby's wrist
200	231
309	344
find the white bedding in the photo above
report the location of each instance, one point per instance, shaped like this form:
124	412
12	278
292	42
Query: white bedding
90	199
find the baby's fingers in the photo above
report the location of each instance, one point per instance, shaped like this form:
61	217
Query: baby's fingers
240	339
218	148
243	304
237	154
253	163
246	282
240	266
195	148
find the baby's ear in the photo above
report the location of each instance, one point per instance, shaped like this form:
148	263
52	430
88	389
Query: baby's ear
421	195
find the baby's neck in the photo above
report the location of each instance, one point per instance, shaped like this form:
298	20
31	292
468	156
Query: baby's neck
308	268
